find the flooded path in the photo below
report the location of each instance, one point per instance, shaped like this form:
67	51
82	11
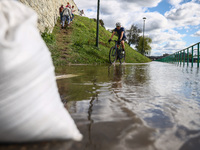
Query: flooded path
140	106
154	106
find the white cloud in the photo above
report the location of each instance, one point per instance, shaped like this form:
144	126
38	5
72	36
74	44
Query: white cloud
175	2
167	47
86	4
155	21
197	34
166	41
143	3
174	45
187	14
165	36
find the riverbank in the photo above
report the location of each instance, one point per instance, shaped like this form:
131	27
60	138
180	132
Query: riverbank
76	44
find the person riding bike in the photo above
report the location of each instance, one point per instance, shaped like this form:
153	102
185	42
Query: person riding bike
121	35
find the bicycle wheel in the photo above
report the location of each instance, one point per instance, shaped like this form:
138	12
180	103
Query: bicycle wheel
112	55
122	57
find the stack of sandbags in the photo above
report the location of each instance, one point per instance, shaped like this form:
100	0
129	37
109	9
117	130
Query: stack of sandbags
30	105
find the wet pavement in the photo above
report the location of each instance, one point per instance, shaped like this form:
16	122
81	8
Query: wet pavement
153	106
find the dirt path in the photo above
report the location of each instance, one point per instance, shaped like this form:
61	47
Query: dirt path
63	41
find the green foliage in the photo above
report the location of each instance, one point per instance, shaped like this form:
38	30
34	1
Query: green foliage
133	34
100	22
77	44
80	24
147	47
84	49
48	37
50	40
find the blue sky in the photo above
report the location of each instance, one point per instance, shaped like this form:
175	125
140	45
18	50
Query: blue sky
172	24
162	7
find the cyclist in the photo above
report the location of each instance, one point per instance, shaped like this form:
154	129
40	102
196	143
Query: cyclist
121	35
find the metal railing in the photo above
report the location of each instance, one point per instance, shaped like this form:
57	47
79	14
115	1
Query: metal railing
188	55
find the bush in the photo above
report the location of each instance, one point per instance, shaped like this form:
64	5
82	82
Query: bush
79	43
48	37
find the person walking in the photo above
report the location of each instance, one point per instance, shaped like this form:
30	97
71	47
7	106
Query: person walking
68	5
67	15
61	13
73	10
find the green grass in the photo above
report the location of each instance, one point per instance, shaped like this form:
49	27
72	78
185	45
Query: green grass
76	45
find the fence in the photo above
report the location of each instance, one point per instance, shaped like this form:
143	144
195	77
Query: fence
188	55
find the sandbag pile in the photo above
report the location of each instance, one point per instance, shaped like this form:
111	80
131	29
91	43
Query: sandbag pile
30	105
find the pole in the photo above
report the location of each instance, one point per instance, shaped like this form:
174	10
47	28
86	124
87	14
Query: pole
97	34
143	36
187	56
198	55
192	56
184	58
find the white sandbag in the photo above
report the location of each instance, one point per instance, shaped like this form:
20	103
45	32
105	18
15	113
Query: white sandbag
30	105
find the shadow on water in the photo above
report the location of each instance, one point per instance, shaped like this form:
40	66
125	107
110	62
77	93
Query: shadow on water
151	106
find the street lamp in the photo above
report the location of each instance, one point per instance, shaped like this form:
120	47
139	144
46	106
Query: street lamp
97	34
143	35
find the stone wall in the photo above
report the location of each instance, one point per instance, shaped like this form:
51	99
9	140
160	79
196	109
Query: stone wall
48	11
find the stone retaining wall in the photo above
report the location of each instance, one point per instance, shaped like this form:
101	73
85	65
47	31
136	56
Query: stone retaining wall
48	11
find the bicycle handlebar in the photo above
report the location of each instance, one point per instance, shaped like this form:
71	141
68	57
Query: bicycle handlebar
115	40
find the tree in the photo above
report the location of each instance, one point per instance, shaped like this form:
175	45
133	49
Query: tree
147	47
133	34
101	22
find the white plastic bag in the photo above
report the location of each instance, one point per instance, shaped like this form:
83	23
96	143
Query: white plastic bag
30	106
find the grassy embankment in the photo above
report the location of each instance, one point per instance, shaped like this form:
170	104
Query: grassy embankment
76	44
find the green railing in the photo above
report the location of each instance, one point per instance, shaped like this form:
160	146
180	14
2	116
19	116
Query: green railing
188	55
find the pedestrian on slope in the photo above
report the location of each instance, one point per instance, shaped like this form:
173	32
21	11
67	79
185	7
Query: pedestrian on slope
68	5
61	13
67	15
82	13
73	10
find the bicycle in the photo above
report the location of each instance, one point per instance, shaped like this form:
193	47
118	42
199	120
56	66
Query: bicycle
116	53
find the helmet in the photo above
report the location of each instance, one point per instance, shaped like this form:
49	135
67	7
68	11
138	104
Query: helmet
118	24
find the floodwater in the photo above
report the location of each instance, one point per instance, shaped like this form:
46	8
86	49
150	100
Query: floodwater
153	106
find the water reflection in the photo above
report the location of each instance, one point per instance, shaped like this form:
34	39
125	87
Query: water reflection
90	110
115	74
153	99
153	106
139	106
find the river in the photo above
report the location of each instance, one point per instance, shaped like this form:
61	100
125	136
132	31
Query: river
152	106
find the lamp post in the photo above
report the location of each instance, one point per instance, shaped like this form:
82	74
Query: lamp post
143	36
97	34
